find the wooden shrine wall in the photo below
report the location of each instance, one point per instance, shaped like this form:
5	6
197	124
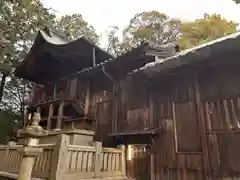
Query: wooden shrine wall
100	107
200	115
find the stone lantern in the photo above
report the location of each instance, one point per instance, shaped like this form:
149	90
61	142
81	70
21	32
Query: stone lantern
30	150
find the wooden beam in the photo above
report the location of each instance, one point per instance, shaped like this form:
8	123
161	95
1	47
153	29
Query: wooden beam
60	115
175	127
202	128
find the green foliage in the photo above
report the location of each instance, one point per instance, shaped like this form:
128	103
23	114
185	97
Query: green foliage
19	23
7	126
74	26
203	30
14	98
157	27
114	44
237	1
144	27
150	26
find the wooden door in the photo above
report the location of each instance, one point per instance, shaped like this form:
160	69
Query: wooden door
103	119
222	122
138	162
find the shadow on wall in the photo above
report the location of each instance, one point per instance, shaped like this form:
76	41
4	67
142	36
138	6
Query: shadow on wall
5	178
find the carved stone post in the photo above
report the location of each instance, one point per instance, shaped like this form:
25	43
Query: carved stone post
123	160
30	150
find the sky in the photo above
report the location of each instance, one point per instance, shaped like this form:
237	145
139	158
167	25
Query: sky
104	13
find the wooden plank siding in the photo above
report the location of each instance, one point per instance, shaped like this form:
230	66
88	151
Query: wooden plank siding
199	110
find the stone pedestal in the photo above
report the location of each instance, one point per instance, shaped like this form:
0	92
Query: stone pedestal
29	154
77	137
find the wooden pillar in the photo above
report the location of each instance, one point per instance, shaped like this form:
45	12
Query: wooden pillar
116	95
114	112
32	94
50	114
153	171
86	106
25	120
54	91
60	115
150	101
202	128
94	56
39	110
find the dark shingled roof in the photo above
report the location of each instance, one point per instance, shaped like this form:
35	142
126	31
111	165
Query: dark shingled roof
135	58
193	55
52	57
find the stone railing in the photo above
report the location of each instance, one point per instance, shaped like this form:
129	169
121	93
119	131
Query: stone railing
61	160
91	162
65	161
12	158
113	161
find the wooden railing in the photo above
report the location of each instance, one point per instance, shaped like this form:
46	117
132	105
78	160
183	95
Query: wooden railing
62	160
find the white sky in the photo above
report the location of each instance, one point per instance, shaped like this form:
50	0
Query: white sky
104	13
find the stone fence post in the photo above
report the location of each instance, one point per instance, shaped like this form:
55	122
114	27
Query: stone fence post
123	160
59	162
98	160
30	150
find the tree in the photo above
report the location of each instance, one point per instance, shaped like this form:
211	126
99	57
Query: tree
114	44
150	26
237	1
203	30
14	99
74	26
19	23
